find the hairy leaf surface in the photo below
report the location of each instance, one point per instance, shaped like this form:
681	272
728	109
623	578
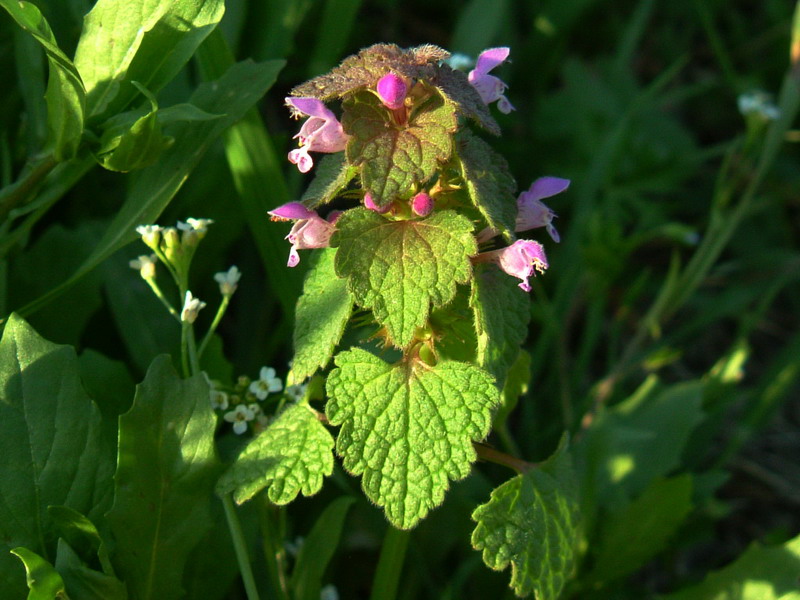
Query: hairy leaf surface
408	429
398	268
322	314
531	523
294	454
332	176
502	313
490	185
393	158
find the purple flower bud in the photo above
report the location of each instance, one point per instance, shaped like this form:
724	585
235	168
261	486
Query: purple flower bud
532	212
521	259
321	132
309	231
392	90
422	204
370	204
488	86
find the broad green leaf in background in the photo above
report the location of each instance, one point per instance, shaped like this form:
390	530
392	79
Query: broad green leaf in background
631	537
321	316
81	535
408	428
164	481
65	95
394	158
760	573
478	26
43	580
318	548
84	583
502	313
51	443
293	455
154	187
331	176
397	268
637	441
531	522
490	185
147	41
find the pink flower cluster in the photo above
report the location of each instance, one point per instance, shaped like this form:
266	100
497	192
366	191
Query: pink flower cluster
309	230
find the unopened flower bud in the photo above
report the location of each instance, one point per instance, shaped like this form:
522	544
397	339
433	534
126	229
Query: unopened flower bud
151	234
370	204
422	204
146	265
392	90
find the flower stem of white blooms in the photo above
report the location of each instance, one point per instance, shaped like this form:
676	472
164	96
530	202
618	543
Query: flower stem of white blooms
160	295
240	547
190	360
223	306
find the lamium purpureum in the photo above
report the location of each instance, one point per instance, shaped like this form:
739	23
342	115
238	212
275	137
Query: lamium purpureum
422	240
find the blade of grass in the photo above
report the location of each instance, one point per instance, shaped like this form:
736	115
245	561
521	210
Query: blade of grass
338	18
256	169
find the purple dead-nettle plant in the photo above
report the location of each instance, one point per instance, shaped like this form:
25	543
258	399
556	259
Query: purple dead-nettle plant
423	238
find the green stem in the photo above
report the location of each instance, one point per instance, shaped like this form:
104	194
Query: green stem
274	553
223	306
17	193
240	547
160	295
390	564
501	458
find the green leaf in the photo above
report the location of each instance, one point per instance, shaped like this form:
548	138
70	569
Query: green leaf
81	535
322	314
84	583
51	443
368	66
65	95
318	548
760	573
394	158
490	185
398	268
631	537
456	89
154	187
147	41
531	522
332	176
293	455
637	441
138	146
502	314
408	428
164	481
43	580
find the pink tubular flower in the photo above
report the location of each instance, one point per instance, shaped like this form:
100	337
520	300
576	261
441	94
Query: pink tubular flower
488	86
532	212
309	231
422	204
392	90
321	132
521	259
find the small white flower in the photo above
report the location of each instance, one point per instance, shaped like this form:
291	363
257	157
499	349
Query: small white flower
146	265
219	400
266	383
191	306
239	416
228	280
329	592
460	61
297	392
760	104
293	547
151	234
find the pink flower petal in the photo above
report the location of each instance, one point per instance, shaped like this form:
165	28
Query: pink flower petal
311	107
392	90
544	187
293	211
491	58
